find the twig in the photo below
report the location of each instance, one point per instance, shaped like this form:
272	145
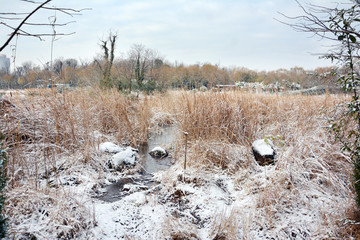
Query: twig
22	23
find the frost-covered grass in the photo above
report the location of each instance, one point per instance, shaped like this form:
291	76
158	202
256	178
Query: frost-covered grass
56	167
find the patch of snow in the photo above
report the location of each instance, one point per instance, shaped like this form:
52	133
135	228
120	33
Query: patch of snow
110	147
133	216
158	149
126	157
107	182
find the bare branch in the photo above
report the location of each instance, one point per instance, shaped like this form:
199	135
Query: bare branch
22	23
39	35
42	5
22	32
311	23
50	24
30	1
10	18
68	11
14	13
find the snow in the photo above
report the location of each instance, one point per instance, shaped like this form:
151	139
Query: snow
126	157
251	204
158	149
110	147
262	147
211	206
304	196
132	216
141	216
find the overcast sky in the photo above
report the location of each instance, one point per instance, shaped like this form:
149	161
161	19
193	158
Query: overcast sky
239	33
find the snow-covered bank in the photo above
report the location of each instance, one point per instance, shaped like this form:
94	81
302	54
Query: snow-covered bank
258	203
58	176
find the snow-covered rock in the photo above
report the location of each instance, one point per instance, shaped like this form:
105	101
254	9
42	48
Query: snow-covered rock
123	158
158	152
110	147
263	151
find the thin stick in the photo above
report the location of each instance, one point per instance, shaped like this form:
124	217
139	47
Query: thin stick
186	134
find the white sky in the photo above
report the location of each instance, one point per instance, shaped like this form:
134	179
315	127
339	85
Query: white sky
227	32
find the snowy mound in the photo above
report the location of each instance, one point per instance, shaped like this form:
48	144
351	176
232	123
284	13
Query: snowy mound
123	158
110	147
158	152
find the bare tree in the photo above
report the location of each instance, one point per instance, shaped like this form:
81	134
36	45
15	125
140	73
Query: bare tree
16	20
340	24
71	62
106	63
330	23
144	60
124	69
24	69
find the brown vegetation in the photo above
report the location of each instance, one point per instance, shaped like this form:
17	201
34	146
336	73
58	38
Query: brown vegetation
144	66
48	133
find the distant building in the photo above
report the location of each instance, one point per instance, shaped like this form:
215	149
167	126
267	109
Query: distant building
4	63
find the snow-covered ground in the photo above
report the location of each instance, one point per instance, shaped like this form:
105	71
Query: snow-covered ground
206	205
222	194
280	201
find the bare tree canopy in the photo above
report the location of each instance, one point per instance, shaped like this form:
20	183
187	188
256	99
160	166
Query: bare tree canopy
341	25
331	23
16	20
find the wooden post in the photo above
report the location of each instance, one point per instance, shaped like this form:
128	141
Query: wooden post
186	134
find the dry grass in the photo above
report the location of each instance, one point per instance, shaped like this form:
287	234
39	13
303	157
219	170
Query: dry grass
45	127
349	227
237	119
53	124
42	128
69	119
174	229
225	226
56	214
240	118
221	128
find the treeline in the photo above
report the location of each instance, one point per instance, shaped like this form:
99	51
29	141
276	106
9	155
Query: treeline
144	69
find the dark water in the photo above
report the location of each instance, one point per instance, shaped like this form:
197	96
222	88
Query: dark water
126	186
149	166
